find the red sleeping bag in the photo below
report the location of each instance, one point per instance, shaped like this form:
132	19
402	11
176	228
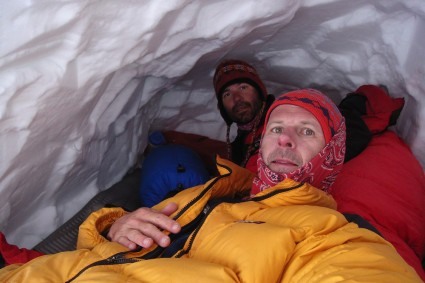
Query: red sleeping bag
10	254
385	185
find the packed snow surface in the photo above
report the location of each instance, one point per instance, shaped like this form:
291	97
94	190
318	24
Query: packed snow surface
83	83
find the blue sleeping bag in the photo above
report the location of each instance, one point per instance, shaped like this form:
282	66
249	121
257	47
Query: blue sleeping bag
168	169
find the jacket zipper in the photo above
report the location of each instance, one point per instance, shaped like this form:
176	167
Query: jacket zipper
157	251
193	201
119	257
207	210
115	259
275	192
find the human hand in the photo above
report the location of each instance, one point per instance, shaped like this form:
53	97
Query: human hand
143	227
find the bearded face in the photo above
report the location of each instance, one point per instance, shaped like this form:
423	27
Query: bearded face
241	102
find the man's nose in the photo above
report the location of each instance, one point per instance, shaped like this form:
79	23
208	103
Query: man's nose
287	138
237	95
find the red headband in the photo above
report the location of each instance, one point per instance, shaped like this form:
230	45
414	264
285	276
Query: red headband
318	104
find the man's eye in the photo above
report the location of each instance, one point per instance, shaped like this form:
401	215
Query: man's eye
225	94
276	130
308	132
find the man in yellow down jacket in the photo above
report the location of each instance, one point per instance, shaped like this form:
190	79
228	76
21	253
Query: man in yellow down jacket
278	226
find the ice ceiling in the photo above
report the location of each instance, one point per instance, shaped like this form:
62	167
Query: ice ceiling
82	83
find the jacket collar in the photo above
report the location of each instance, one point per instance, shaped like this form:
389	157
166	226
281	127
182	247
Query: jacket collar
287	192
234	180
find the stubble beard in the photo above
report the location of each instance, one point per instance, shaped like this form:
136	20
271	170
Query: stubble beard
246	116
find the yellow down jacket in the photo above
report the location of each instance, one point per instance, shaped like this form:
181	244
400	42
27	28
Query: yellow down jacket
288	233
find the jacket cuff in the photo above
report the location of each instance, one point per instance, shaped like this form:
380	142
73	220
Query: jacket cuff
92	229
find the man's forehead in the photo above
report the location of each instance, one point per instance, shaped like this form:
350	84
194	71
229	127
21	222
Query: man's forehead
287	111
283	108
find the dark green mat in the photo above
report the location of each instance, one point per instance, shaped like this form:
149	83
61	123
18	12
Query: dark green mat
123	194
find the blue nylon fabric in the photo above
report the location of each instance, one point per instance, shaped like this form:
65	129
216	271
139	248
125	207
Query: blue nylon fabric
169	168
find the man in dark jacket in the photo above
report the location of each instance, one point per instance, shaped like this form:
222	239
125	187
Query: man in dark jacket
242	99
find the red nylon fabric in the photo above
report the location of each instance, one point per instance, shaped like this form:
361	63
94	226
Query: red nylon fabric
13	254
379	107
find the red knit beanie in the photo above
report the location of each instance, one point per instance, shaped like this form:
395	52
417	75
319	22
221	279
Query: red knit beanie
233	71
318	104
